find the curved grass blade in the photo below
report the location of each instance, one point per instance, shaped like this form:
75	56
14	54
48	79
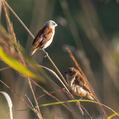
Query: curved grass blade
15	64
112	115
9	101
81	100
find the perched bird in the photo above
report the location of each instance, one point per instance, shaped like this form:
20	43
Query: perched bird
81	87
77	84
44	37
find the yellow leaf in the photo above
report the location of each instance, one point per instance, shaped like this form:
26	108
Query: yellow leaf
15	64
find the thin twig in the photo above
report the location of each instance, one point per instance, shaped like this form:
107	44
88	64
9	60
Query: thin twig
44	50
9	22
21	56
19	20
46	92
55	98
22	99
86	80
55	67
29	101
38	108
70	94
33	38
12	30
51	71
0	9
4	68
74	60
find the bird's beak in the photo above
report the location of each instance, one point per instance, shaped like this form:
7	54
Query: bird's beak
56	25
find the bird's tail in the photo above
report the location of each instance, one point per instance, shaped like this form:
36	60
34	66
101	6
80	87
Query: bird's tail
34	51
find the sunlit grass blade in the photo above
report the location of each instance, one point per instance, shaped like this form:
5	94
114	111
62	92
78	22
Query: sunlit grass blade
15	64
112	115
71	101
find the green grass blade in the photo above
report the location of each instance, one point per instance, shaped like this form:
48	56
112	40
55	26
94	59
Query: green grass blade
112	115
71	101
15	64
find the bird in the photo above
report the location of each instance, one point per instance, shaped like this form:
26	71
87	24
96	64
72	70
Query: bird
44	37
77	84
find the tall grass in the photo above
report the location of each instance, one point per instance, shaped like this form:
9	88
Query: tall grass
45	82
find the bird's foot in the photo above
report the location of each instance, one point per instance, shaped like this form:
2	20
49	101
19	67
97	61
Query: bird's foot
46	54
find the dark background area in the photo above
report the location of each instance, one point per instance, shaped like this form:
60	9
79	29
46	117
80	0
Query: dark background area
89	27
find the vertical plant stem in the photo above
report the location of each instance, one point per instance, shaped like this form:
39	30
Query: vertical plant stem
12	30
51	71
58	71
49	58
55	67
13	12
21	56
21	99
38	109
8	21
86	80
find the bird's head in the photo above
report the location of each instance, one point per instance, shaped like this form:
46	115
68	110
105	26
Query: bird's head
70	72
50	24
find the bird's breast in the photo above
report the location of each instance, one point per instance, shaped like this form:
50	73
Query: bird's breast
50	41
79	91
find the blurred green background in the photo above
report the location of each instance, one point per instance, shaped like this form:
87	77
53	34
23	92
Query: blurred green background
89	27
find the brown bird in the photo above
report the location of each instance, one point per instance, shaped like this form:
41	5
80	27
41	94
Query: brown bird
44	37
81	87
77	84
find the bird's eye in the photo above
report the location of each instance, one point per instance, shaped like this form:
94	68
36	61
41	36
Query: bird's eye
53	23
71	73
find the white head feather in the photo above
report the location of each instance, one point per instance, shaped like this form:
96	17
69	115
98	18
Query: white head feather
50	24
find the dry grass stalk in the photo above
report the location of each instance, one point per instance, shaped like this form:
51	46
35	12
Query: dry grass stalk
14	13
7	44
26	28
86	64
35	99
69	93
13	34
21	56
51	71
11	29
0	9
33	37
22	99
17	95
52	96
10	26
82	109
92	27
4	68
85	79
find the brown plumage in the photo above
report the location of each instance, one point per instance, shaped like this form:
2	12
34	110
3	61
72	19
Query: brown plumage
44	37
77	84
81	87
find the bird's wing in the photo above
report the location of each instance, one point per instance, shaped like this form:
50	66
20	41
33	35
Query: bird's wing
82	83
43	36
46	37
38	38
